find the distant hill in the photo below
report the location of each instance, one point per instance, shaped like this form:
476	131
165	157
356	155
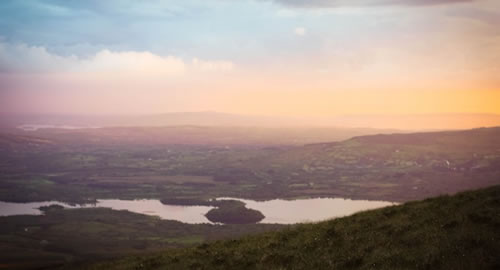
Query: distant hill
270	163
397	167
485	137
210	118
443	121
449	232
15	142
204	118
199	135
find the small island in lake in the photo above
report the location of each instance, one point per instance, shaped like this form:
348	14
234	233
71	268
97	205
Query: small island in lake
233	212
52	207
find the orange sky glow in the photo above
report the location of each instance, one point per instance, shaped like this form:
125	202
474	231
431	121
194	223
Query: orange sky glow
320	61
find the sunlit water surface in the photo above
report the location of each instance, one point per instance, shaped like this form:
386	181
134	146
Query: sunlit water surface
275	211
35	127
309	210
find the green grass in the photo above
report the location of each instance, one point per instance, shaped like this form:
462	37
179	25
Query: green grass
447	232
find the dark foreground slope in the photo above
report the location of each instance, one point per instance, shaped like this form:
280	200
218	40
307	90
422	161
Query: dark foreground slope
449	232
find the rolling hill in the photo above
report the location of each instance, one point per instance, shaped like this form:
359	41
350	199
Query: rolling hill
144	163
212	118
448	232
397	167
200	135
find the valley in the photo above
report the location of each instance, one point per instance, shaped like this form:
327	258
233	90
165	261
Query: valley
90	169
397	168
447	232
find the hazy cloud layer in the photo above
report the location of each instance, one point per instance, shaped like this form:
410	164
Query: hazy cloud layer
341	3
292	56
300	31
27	59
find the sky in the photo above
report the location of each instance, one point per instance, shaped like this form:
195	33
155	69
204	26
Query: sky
265	57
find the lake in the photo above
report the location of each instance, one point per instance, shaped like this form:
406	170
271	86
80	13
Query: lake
309	210
275	211
35	127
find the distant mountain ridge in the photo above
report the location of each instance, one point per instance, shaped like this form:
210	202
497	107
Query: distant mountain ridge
199	135
211	118
393	167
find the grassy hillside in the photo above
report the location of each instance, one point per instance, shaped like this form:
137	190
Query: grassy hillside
448	232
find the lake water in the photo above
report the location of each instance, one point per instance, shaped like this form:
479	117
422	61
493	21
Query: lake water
309	210
275	211
186	214
35	127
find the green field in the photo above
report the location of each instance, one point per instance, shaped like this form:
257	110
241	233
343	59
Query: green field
397	167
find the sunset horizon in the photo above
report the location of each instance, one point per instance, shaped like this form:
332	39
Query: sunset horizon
274	58
250	134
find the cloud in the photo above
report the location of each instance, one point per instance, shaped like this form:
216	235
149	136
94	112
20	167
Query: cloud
343	3
489	16
212	65
300	31
21	58
136	62
24	58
